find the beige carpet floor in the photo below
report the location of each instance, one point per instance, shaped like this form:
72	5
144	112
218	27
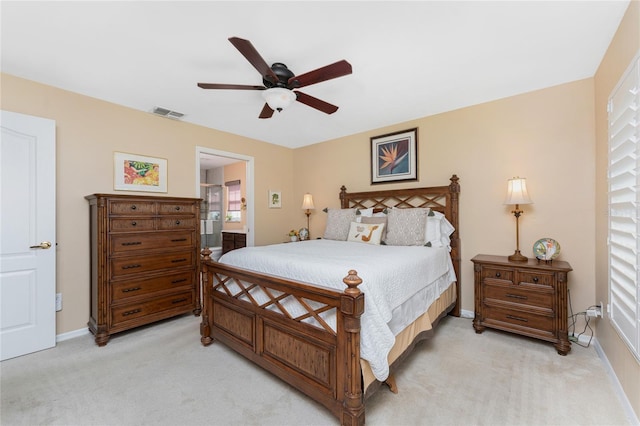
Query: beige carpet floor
162	375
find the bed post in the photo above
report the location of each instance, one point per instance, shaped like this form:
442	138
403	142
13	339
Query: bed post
454	190
205	328
352	307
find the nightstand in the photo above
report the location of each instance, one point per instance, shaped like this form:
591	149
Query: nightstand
526	298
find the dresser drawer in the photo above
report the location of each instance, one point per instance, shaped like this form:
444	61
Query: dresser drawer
176	208
502	274
151	240
123	266
121	290
177	223
132	224
129	312
536	278
514	294
132	207
511	318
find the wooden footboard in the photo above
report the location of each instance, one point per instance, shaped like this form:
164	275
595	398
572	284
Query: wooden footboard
248	312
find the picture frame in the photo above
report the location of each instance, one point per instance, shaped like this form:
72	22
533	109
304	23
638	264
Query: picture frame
394	157
275	199
133	172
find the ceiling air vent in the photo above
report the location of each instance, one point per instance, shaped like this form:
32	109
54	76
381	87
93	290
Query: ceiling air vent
167	113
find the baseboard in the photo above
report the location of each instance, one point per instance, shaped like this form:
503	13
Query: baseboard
72	334
628	409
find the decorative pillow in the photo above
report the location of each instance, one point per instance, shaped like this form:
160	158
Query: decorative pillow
369	233
406	227
377	219
360	213
338	222
438	231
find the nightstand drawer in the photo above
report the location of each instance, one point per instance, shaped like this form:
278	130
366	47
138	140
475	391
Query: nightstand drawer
511	317
497	274
513	294
535	278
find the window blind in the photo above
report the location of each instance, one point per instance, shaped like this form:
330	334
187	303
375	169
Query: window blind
624	207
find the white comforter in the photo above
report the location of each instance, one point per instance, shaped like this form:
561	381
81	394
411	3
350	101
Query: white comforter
391	275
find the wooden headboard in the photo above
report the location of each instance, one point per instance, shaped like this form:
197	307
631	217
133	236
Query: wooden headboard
439	198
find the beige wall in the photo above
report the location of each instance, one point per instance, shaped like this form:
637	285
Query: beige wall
546	136
88	131
623	48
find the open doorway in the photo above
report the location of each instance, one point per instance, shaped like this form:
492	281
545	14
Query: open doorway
225	183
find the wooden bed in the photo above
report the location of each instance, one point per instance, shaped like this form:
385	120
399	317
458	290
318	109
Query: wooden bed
320	361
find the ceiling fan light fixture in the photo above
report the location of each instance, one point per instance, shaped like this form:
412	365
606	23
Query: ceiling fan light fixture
278	98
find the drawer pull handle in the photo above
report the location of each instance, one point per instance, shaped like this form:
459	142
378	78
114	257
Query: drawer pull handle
126	314
177	208
131	266
177	222
177	240
535	279
133	207
127	290
498	275
179	300
517	296
132	243
178	260
517	318
178	281
134	223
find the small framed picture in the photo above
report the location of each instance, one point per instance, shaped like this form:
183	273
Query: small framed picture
394	157
275	199
134	172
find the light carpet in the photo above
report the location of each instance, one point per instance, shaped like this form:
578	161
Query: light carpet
162	375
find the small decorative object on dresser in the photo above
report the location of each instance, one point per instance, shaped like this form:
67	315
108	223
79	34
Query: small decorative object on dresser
303	234
144	261
546	249
527	298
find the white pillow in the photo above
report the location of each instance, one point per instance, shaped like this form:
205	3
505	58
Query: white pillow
406	227
438	231
338	221
360	213
370	233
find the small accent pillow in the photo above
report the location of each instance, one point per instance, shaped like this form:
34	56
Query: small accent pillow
338	222
376	219
360	213
369	233
406	227
438	231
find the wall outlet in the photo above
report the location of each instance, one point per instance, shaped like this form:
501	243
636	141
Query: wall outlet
58	302
595	312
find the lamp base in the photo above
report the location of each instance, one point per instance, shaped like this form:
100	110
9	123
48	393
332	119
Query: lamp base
517	257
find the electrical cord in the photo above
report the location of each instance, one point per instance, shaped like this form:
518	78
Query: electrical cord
572	326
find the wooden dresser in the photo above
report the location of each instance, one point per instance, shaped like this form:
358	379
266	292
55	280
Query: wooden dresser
233	240
144	261
527	298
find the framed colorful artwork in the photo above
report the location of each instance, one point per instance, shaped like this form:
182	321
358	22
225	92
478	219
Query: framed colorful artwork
134	172
275	199
394	157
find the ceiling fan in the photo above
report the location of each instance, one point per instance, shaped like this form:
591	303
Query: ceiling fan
279	81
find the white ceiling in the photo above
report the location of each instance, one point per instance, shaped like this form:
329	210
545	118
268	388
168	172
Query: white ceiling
410	59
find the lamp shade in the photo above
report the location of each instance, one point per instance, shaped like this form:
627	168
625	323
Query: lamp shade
307	202
517	192
279	98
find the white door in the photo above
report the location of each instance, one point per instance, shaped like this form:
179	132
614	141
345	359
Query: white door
27	234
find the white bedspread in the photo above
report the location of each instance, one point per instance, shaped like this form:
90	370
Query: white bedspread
391	276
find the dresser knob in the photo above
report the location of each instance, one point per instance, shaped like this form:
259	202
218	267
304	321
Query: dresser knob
498	275
177	222
134	223
133	207
535	279
177	208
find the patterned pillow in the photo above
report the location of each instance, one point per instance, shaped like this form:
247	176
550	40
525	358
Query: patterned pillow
338	223
406	227
376	219
369	233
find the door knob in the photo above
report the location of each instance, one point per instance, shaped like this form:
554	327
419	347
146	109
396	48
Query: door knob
43	245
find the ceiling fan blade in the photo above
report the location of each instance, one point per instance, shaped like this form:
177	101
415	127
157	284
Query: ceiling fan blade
267	112
248	51
335	70
230	86
315	103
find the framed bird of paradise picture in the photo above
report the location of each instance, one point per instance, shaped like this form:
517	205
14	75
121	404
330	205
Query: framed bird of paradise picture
394	157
